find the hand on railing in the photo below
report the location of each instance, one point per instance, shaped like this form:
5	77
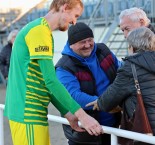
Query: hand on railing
89	123
73	121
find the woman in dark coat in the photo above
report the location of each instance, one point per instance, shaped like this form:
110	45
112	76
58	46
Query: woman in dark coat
122	91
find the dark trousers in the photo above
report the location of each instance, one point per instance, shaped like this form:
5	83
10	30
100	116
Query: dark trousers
105	141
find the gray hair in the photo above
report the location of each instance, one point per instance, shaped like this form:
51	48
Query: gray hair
12	34
141	39
134	14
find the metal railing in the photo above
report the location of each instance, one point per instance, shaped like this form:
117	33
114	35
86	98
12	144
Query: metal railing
109	130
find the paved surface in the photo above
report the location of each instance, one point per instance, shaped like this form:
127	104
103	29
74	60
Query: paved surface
56	132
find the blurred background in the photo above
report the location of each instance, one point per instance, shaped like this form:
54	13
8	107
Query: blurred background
100	15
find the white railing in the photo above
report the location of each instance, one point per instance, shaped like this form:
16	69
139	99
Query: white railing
109	130
1	125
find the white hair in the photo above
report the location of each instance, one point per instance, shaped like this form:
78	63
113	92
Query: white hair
12	34
135	14
141	39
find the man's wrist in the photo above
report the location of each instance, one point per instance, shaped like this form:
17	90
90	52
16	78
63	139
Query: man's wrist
80	113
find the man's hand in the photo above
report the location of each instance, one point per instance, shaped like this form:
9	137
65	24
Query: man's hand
73	121
94	104
89	123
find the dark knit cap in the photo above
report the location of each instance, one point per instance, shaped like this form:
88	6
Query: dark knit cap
79	32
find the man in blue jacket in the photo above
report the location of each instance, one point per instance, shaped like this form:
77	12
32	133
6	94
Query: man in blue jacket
86	69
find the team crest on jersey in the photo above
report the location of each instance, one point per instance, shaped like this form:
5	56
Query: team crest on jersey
42	49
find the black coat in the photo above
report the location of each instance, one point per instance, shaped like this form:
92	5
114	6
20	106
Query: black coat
5	59
123	88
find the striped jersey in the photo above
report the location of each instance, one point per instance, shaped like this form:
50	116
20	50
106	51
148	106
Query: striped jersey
27	96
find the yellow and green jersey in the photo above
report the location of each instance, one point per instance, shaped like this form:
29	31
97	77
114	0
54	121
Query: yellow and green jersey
32	82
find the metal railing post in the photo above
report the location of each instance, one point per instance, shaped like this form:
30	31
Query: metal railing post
114	139
1	125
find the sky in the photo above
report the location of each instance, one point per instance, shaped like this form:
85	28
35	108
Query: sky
17	3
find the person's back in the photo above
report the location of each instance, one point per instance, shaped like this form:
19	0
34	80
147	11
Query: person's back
142	42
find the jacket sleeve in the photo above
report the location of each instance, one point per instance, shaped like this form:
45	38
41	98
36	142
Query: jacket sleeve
118	91
61	99
73	87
